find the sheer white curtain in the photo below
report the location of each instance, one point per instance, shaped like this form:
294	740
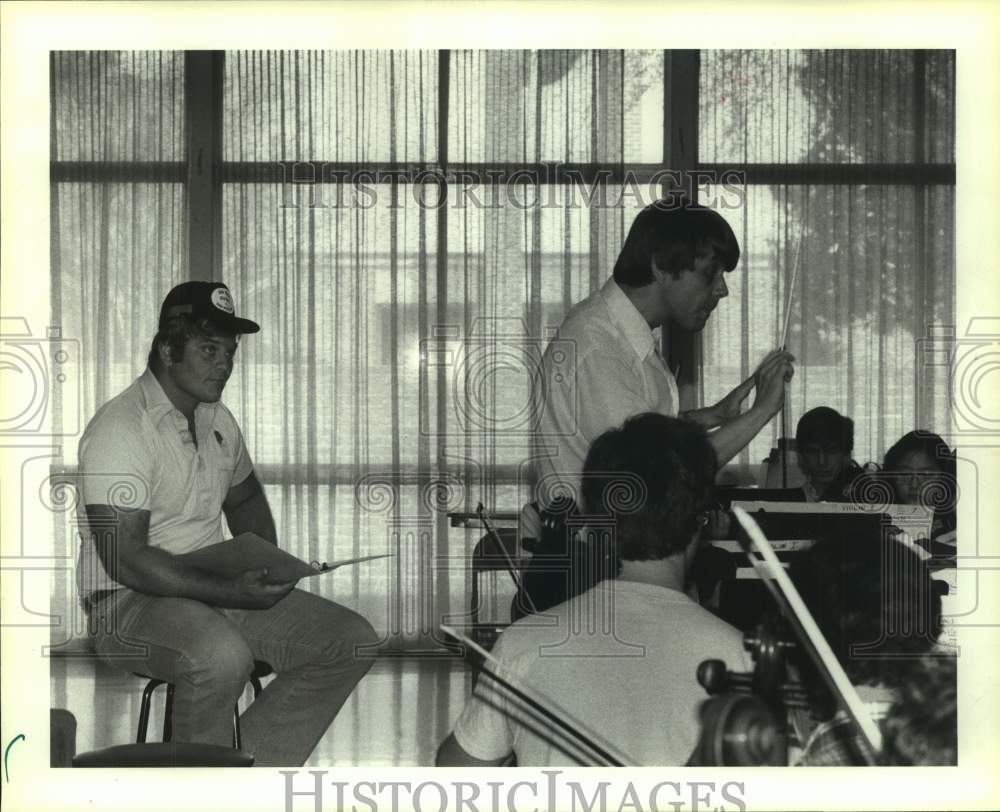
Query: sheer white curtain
117	208
391	381
118	243
877	262
401	315
404	300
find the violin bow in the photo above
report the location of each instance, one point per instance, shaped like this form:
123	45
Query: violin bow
608	754
511	566
786	428
791	289
794	609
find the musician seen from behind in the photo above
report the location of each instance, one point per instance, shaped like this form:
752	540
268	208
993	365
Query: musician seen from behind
622	658
670	273
875	603
161	464
824	440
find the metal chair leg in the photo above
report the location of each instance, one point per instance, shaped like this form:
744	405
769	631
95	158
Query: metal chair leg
237	737
168	713
168	710
147	697
255	682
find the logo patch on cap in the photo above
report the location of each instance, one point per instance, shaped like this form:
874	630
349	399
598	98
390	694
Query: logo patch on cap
223	301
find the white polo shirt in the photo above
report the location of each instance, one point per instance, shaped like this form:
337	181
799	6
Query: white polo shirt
602	367
621	660
137	452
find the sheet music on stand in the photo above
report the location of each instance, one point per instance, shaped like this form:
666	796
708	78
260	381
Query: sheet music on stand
795	526
913	521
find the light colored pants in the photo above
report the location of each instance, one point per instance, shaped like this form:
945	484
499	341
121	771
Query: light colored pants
208	654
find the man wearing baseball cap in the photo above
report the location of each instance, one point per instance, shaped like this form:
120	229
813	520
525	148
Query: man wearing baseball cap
160	465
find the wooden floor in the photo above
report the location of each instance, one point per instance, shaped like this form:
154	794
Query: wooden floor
397	716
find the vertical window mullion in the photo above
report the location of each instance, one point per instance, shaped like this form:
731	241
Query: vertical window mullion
203	131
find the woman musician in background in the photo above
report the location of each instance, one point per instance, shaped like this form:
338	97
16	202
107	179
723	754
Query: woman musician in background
920	467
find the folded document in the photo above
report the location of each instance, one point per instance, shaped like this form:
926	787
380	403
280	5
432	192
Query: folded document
248	551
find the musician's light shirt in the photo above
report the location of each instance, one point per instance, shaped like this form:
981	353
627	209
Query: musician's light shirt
602	367
137	452
622	659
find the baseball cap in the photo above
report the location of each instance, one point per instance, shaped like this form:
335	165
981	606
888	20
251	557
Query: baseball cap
205	300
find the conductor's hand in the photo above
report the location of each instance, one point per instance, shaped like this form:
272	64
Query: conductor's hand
731	405
257	592
769	380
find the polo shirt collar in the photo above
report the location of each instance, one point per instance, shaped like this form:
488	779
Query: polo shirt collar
158	405
628	319
646	590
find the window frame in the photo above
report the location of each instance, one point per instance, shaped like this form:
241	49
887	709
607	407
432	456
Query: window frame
203	174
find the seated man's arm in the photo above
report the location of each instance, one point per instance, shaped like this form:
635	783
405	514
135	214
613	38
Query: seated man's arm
482	736
247	510
452	754
121	537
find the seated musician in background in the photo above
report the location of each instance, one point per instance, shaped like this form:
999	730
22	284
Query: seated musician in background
920	467
875	604
160	465
824	440
623	657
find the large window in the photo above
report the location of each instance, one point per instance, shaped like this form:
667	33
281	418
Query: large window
849	163
408	226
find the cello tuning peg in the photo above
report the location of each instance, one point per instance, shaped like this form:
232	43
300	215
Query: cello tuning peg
712	676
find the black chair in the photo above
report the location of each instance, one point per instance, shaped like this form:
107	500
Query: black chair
492	554
164	754
564	562
62	737
260	670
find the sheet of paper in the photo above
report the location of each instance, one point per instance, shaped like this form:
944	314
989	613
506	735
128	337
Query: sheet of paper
249	551
914	520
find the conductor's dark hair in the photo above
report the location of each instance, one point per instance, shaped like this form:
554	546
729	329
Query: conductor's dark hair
176	333
873	599
927	442
827	426
653	477
671	234
921	727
